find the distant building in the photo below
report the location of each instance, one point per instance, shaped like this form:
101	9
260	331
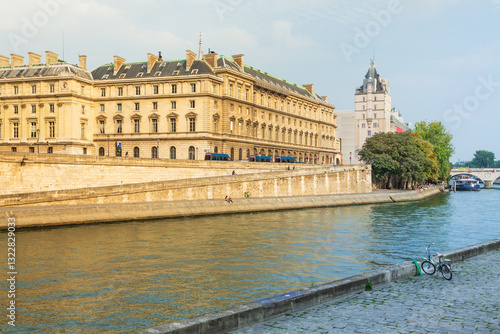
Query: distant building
177	109
372	113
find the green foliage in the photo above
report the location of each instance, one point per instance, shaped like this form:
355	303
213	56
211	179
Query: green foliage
441	140
398	160
368	285
483	159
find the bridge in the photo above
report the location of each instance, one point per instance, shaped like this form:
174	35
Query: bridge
487	175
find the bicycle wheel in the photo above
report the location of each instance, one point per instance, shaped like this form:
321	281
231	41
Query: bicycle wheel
428	267
446	272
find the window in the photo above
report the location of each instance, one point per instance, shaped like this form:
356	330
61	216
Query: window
53	89
154	152
364	116
155	89
120	91
50	150
216	121
14	149
136	152
174	89
33	108
374	115
119	107
101	151
118	126
375	98
82	130
214	89
193	88
137	90
16	90
33	130
103	92
192	154
174	105
16	109
375	107
84	150
192	124
375	125
369	133
102	107
192	104
83	110
173	152
363	125
137	106
52	129
215	105
154	125
136	125
33	89
82	90
101	127
230	90
15	130
173	125
363	99
155	105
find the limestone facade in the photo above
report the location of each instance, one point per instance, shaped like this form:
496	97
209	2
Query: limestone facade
161	109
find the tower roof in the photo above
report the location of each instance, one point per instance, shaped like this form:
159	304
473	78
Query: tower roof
374	78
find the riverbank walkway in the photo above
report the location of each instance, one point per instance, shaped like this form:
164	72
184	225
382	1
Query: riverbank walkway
469	303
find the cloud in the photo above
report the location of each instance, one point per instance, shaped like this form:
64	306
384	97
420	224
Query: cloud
281	32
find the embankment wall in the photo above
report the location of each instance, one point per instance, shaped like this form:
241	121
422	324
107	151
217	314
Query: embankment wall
40	216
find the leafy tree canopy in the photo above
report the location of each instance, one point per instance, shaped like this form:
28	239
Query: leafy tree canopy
435	133
483	159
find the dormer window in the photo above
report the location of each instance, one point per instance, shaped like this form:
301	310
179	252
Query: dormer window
140	74
195	71
163	64
105	76
127	67
122	75
157	74
176	72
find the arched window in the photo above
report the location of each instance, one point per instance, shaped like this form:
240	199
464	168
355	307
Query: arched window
240	154
154	152
248	153
136	152
101	151
232	154
216	149
173	152
192	154
255	151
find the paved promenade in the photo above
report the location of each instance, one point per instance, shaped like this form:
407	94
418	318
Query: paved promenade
469	303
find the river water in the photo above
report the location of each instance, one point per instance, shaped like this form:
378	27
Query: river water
126	276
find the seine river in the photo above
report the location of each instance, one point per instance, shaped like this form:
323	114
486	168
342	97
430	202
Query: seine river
126	276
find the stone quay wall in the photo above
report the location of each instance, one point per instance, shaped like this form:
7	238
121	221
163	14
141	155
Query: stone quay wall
25	172
285	183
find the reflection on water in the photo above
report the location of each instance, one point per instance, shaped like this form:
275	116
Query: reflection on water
133	275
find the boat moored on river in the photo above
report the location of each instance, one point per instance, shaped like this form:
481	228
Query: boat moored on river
467	184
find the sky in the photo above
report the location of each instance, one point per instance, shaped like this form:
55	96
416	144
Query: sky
441	57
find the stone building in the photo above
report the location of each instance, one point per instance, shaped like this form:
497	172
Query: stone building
372	113
162	109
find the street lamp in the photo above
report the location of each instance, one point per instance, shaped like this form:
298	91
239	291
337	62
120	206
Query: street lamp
38	140
108	145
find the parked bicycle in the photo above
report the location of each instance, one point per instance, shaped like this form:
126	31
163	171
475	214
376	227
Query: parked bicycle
443	266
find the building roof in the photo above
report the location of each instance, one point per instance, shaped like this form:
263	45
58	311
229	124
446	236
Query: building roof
374	78
43	70
160	69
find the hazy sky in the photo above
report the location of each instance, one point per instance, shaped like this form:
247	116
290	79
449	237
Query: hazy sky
441	57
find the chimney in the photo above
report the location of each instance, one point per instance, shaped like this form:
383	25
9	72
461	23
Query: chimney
16	60
190	58
4	61
34	59
152	59
119	61
325	98
83	62
239	60
50	57
310	88
211	59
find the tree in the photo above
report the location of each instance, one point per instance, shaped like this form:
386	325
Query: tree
441	140
397	160
483	159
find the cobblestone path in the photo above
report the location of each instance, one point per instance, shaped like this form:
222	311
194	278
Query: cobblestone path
469	303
